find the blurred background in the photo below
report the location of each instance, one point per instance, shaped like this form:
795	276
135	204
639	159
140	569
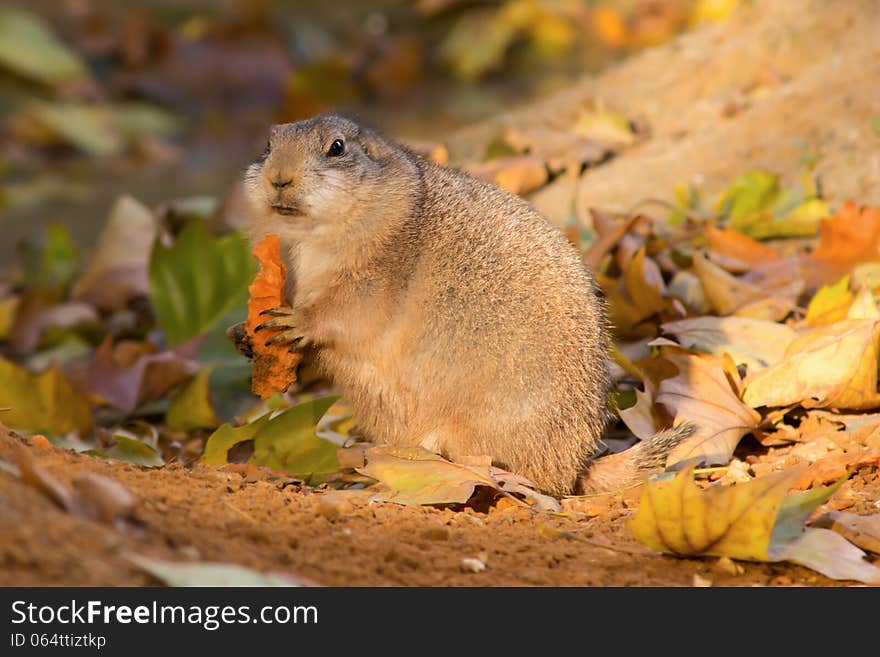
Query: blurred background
170	99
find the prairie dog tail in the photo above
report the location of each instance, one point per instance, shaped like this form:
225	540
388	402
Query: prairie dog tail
616	472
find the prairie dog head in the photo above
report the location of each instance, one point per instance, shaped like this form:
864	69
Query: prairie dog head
322	177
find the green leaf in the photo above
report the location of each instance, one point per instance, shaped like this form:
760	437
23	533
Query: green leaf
86	127
29	49
190	407
757	205
477	44
198	280
210	574
134	451
414	476
45	402
289	443
221	441
54	264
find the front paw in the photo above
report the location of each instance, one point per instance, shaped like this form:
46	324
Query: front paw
286	320
237	334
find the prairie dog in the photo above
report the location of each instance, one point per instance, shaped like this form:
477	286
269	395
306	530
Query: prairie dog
448	312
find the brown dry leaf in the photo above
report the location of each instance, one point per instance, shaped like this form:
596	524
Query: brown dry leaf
117	270
849	238
734	244
636	296
749	295
724	291
131	374
832	366
274	365
610	230
863	531
704	392
833	467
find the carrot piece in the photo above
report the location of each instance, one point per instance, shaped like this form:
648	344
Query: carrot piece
275	365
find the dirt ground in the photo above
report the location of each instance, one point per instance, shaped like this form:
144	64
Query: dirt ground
781	81
221	515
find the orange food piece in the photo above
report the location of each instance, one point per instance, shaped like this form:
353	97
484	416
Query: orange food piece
275	365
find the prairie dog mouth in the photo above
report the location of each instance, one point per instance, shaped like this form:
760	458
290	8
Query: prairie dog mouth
287	210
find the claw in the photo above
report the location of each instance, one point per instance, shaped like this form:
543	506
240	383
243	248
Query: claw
280	311
291	336
276	323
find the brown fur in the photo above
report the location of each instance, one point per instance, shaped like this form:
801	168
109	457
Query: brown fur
448	311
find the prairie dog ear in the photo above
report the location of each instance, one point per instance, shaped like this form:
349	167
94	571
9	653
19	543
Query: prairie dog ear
374	146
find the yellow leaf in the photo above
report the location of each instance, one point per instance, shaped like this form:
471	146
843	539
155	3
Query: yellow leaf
712	10
677	517
830	366
605	126
42	402
753	342
864	306
830	303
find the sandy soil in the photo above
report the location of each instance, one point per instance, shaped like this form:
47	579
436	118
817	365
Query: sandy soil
223	515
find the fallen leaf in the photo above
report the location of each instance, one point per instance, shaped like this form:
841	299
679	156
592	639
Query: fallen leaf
831	468
605	126
610	230
29	48
180	574
864	305
849	238
831	366
728	294
519	174
274	365
637	296
223	439
45	402
414	476
757	205
117	269
734	244
477	44
289	443
130	374
753	342
134	451
8	313
197	280
863	531
753	521
190	407
704	393
830	304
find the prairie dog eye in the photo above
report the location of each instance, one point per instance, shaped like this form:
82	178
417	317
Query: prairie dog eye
337	148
